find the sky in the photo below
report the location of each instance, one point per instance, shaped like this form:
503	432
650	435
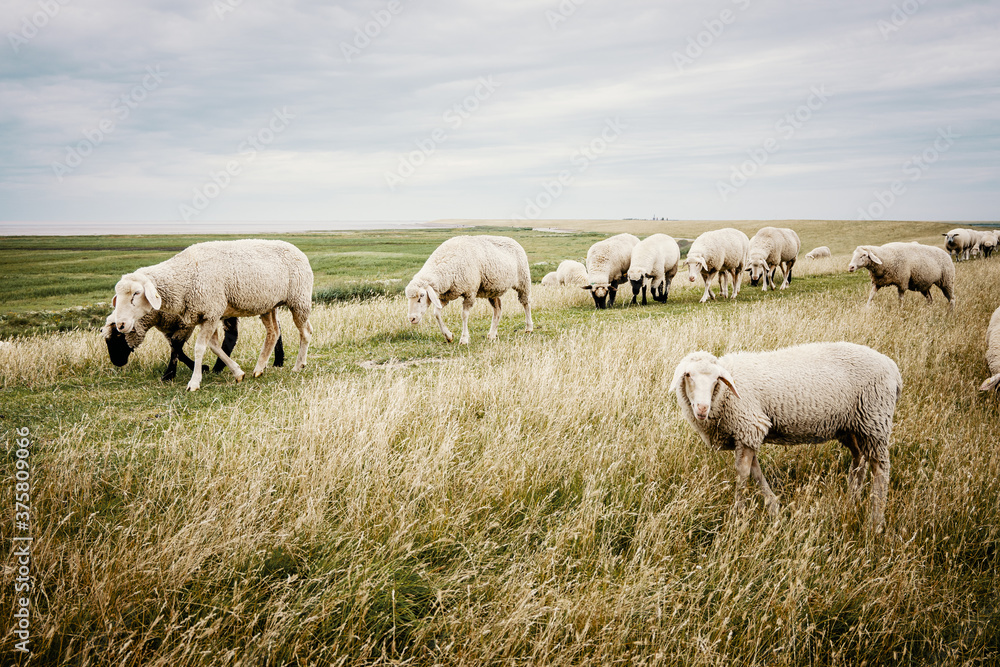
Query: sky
253	110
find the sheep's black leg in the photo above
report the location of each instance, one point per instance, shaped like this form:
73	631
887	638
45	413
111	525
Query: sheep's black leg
279	353
231	329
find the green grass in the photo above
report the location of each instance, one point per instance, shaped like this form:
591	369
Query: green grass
539	500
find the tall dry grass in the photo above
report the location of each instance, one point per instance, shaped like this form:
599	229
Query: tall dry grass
535	501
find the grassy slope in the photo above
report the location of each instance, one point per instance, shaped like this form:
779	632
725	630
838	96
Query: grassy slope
536	501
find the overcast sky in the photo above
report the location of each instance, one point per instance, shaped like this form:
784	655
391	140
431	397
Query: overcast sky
226	110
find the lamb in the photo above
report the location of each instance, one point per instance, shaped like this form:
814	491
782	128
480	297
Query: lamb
959	242
467	267
808	393
121	346
721	252
770	248
993	352
816	253
551	279
655	260
572	273
908	266
607	267
209	281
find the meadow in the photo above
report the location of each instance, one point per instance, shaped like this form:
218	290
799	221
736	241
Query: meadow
534	501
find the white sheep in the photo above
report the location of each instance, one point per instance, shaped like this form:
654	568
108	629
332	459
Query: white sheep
808	393
572	273
551	279
816	253
988	242
993	352
467	267
210	281
907	266
770	248
721	252
655	260
959	242
607	267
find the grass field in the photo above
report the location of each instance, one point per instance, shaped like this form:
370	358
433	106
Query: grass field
538	500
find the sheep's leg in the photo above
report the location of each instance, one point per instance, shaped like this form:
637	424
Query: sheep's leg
724	283
902	293
787	266
301	320
856	475
467	305
175	352
871	295
525	299
708	286
770	500
279	349
744	465
949	296
495	302
208	338
737	280
232	332
612	293
880	484
644	293
270	320
927	295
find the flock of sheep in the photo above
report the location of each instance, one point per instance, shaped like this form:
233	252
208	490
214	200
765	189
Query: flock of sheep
806	393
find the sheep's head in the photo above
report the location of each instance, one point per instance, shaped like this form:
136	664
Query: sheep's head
118	347
699	380
600	293
864	257
419	298
636	278
758	267
696	264
135	296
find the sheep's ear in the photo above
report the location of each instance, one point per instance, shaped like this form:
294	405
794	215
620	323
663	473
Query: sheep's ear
106	331
433	297
152	295
114	301
874	258
588	287
703	263
727	379
679	374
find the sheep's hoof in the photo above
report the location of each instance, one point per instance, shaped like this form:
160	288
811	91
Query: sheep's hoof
464	340
239	378
193	386
257	374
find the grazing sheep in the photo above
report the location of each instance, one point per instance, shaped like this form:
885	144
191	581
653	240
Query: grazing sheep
908	266
803	394
121	345
210	281
959	243
723	252
550	279
572	273
770	248
993	352
654	260
816	253
467	267
607	267
988	242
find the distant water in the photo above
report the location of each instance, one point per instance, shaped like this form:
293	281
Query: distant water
248	228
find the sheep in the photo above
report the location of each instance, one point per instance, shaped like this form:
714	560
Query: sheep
770	248
210	281
121	346
908	266
467	267
959	242
572	273
816	253
993	352
550	279
988	242
654	260
607	267
803	394
723	252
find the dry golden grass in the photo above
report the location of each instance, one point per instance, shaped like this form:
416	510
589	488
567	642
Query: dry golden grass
535	501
